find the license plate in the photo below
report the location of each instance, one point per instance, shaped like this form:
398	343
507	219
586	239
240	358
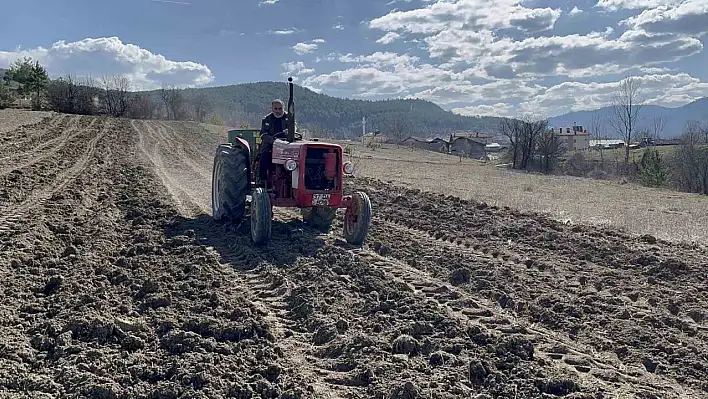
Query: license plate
320	199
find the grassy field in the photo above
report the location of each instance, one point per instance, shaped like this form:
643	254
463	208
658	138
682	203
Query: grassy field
663	213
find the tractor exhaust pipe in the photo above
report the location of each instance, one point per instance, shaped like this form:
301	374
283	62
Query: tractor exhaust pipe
291	113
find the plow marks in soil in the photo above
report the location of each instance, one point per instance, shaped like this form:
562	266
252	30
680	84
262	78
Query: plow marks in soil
117	283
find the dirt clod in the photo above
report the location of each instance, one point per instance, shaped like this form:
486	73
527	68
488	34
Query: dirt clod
407	391
460	276
53	285
406	345
324	334
478	371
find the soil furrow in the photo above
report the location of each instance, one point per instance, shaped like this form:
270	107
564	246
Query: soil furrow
17	128
591	362
100	302
595	301
37	197
151	146
194	140
18	147
201	172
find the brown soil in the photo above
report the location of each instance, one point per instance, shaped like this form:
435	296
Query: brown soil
117	284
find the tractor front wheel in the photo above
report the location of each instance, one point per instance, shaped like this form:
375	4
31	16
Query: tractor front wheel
357	218
261	216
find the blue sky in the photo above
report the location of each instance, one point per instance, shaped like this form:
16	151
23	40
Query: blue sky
509	57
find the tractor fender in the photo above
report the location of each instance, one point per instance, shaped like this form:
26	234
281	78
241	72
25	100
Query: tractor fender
240	141
242	144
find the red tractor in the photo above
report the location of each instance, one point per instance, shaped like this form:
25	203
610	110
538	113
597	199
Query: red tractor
305	174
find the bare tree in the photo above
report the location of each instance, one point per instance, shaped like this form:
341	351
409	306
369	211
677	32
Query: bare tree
174	101
511	128
549	149
62	94
658	124
116	94
165	97
597	130
523	138
690	161
177	103
397	128
141	107
626	104
200	104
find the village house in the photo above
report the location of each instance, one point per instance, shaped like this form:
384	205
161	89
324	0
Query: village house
373	139
469	147
573	138
471	135
436	144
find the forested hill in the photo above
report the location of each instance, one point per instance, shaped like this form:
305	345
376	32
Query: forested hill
337	117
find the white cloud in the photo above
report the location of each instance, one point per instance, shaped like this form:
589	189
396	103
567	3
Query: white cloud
660	89
380	59
468	15
498	109
267	2
109	55
690	18
171	2
338	26
283	32
615	5
304	48
388	38
296	68
507	60
318	41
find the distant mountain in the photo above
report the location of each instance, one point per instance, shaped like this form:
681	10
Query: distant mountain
676	118
336	117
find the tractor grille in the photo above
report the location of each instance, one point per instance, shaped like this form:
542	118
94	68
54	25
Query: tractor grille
315	178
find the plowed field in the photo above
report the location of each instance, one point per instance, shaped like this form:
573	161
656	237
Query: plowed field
116	283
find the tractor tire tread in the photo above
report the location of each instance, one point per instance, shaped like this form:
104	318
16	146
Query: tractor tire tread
361	229
233	182
261	216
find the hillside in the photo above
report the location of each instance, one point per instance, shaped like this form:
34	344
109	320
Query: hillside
676	118
337	117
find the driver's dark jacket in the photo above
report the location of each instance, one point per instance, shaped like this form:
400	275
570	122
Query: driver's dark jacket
268	130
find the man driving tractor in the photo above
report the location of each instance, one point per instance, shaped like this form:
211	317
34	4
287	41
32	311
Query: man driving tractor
273	123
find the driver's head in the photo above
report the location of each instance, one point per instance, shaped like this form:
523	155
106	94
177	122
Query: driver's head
278	108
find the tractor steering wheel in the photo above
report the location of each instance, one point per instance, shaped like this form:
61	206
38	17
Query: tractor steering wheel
283	134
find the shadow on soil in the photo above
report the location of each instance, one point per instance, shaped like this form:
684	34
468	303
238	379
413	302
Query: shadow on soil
290	240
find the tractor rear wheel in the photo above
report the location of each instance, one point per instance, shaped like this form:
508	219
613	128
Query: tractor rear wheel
230	183
319	217
357	219
261	216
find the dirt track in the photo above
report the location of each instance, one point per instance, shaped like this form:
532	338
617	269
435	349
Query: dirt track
117	284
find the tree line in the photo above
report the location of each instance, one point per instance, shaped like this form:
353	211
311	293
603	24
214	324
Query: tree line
110	95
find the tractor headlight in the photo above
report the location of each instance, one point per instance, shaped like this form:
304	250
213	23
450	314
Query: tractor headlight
290	165
348	167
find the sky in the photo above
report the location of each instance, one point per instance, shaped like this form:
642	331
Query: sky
473	57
